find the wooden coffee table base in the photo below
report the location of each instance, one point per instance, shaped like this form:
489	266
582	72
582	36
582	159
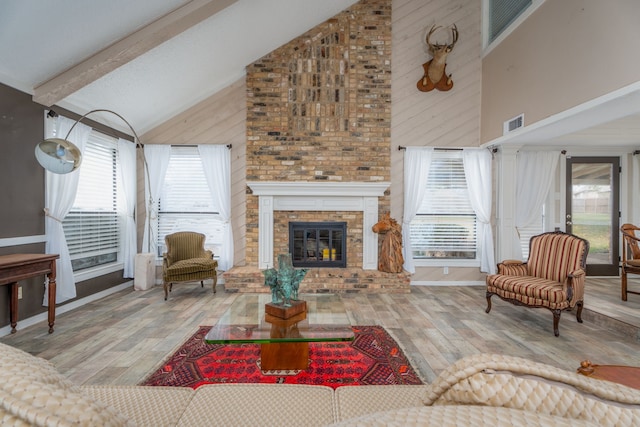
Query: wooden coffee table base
284	356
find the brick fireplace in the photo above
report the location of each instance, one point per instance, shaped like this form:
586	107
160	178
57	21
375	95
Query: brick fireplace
319	147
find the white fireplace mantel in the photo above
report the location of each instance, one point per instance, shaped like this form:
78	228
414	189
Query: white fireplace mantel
318	196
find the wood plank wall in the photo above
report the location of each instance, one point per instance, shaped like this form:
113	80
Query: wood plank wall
219	119
438	119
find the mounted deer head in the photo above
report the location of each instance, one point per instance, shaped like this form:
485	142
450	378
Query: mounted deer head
435	75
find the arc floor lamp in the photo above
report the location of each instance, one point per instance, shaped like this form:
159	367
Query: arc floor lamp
61	156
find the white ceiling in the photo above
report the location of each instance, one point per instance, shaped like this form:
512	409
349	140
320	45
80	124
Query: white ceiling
40	40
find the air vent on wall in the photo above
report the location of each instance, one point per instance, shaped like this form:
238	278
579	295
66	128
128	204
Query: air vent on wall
513	124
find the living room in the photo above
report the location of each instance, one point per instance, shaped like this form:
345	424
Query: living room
566	68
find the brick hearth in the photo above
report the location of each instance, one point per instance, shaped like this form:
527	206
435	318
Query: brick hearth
318	280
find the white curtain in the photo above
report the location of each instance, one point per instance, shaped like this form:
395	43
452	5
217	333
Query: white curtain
157	157
60	193
635	186
477	171
535	172
216	163
417	161
127	154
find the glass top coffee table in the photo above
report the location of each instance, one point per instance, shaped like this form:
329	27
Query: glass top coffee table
284	342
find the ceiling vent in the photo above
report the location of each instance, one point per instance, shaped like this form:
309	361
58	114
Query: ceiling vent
513	124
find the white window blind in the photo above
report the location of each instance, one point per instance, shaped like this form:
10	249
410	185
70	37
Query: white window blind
185	202
502	13
92	227
445	226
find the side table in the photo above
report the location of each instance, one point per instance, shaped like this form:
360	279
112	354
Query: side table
16	267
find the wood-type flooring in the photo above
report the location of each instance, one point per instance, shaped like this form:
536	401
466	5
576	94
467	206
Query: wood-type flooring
123	337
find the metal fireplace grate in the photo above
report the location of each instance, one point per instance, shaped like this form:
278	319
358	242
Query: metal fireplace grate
318	244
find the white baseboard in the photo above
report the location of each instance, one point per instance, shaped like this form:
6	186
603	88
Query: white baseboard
447	283
43	317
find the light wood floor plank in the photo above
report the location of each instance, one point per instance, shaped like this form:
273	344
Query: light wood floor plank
122	338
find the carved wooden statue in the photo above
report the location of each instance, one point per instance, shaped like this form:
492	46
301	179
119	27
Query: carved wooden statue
435	73
390	259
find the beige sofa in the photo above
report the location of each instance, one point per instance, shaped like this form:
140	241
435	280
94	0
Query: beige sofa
484	389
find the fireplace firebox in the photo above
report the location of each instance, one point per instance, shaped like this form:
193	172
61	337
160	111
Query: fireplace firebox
318	244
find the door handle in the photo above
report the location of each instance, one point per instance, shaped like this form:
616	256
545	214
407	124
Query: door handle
569	223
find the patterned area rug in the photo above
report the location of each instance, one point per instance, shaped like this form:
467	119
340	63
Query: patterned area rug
373	358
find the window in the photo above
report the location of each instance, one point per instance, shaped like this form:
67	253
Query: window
502	13
501	17
92	227
185	202
445	225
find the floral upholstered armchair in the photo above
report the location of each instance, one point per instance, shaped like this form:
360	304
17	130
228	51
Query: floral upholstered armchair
186	260
553	277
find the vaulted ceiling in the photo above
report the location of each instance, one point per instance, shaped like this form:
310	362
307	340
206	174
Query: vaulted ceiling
147	60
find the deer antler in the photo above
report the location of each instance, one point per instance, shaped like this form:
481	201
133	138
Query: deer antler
433	47
454	35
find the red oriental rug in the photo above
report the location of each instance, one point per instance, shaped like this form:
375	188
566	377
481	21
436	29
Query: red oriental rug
372	358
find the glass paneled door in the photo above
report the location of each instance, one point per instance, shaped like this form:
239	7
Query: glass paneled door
593	209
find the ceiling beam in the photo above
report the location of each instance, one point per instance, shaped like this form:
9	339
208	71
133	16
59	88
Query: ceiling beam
126	49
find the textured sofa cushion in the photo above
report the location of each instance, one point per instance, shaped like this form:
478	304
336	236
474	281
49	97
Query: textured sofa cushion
260	405
353	402
461	416
32	392
513	382
146	405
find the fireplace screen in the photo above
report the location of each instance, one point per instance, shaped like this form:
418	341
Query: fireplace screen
318	244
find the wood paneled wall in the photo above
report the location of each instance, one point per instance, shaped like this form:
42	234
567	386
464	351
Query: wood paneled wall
438	119
219	119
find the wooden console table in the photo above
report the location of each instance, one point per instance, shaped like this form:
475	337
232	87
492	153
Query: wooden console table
16	267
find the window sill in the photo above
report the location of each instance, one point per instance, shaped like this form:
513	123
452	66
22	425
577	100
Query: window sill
445	262
94	272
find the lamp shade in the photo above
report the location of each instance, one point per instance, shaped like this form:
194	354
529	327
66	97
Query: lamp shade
58	155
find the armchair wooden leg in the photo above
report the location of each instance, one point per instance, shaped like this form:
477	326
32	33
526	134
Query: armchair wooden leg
556	320
623	278
579	304
202	283
488	302
166	291
215	282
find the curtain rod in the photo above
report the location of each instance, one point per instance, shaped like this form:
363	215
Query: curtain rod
194	146
400	147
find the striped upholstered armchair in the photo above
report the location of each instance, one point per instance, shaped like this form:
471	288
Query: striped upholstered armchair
552	278
186	260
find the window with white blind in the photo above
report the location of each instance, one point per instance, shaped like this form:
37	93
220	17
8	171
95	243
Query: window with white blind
445	225
92	227
185	203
